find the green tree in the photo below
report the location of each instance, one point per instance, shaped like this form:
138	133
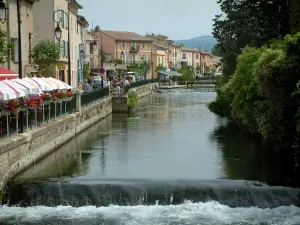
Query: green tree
248	22
188	73
295	15
45	54
5	49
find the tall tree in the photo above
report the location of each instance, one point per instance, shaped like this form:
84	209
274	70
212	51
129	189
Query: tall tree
295	16
248	22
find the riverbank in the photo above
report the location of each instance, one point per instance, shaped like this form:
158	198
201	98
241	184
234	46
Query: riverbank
21	151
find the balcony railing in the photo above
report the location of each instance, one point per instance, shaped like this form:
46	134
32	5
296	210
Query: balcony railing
134	49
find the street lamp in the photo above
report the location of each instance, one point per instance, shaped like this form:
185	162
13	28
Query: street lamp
58	36
58	32
3	12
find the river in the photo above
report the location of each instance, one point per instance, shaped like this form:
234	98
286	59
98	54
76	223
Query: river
170	163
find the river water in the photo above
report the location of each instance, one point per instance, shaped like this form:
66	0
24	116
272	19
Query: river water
170	163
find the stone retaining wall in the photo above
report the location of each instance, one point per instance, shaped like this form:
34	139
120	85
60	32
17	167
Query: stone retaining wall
22	151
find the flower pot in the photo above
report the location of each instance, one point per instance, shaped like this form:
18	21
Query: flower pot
59	101
67	99
5	113
21	109
45	103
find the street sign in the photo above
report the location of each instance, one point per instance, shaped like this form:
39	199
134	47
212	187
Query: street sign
102	70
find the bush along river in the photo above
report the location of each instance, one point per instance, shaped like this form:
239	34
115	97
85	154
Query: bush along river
172	162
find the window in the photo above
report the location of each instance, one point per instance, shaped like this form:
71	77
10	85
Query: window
183	56
133	58
143	45
197	56
66	49
15	49
133	44
77	28
122	57
123	45
91	48
144	57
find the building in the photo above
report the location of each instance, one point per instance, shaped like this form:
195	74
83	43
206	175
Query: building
207	62
92	58
78	47
130	47
175	56
187	56
159	59
27	34
65	14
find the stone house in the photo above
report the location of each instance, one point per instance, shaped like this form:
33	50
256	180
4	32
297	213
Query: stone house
27	35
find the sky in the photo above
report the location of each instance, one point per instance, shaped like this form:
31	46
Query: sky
178	19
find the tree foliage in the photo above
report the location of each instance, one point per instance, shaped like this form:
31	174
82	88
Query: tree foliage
140	68
5	48
262	95
45	54
248	22
187	72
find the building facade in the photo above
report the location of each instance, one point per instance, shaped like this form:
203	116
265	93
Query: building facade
130	47
65	14
27	35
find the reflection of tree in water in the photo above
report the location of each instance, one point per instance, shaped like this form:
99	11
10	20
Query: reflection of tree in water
247	156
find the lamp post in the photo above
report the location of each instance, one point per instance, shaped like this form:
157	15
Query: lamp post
58	36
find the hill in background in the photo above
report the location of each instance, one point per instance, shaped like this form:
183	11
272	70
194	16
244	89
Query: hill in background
206	42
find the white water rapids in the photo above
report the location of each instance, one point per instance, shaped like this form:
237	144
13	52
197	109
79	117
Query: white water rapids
209	213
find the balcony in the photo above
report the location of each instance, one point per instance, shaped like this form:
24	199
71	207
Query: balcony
134	49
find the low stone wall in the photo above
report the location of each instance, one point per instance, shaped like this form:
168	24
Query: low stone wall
22	151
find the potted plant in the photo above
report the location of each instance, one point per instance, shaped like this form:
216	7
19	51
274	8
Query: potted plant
59	96
69	96
23	104
47	98
4	109
14	105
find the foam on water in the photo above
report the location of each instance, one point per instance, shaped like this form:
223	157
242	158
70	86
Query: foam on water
209	213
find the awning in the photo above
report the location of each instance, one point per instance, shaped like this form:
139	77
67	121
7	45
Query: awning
7	74
170	73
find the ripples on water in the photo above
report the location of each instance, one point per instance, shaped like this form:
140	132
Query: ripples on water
210	213
172	135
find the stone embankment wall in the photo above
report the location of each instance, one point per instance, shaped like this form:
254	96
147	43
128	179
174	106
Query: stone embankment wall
22	151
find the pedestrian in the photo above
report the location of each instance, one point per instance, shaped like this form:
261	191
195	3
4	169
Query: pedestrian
86	86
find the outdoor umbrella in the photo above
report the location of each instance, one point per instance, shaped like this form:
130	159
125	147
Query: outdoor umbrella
7	92
45	86
61	85
33	88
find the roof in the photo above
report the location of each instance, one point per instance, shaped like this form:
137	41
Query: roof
170	73
183	48
126	36
160	46
83	21
75	3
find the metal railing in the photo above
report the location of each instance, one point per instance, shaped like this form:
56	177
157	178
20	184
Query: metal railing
10	124
94	95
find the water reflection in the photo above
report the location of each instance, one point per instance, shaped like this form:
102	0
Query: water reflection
247	156
170	136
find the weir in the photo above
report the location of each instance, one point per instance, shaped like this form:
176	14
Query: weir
83	192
